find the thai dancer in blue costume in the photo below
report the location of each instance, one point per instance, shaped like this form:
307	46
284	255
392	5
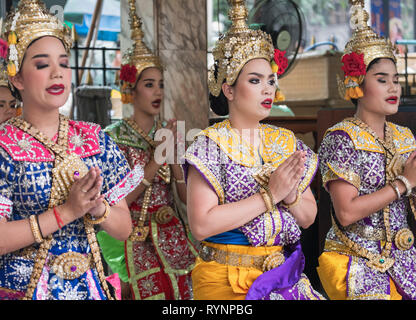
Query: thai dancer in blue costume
58	178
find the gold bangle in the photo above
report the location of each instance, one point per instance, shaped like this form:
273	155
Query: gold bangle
266	199
90	220
294	203
146	182
395	187
35	229
179	181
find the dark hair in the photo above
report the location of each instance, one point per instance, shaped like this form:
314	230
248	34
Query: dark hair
219	104
372	63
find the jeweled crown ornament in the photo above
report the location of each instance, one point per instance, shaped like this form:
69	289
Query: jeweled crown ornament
238	46
364	46
30	21
137	58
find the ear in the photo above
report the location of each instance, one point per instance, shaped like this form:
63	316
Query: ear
17	81
228	91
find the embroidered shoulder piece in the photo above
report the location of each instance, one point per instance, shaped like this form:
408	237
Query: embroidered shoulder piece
122	133
363	140
279	143
83	140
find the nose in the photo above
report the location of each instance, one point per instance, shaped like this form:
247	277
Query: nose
56	72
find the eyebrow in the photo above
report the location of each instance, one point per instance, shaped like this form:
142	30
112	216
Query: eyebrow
47	56
385	74
260	75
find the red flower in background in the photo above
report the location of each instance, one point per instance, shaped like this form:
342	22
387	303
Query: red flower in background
280	60
128	73
3	49
354	65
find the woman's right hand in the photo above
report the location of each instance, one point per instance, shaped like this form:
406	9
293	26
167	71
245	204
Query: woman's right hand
287	176
85	194
410	169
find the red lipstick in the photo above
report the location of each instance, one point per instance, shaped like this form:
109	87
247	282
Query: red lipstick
56	89
267	103
392	99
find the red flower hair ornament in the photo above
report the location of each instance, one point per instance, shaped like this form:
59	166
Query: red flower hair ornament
354	71
279	65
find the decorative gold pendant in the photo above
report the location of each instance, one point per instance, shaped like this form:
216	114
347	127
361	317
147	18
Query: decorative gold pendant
70	265
404	239
380	263
139	233
273	261
396	165
164	173
164	215
65	171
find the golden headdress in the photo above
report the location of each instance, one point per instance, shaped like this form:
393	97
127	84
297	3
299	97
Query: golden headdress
238	46
364	46
137	58
30	21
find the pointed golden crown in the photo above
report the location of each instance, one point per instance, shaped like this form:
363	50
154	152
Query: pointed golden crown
364	40
139	54
236	48
30	21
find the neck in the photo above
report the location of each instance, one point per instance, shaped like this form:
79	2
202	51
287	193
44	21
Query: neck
248	129
373	120
46	121
144	120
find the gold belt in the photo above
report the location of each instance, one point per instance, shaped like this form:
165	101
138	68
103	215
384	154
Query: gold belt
70	265
263	262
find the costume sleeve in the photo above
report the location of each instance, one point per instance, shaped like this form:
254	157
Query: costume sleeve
205	155
311	165
119	179
339	159
6	194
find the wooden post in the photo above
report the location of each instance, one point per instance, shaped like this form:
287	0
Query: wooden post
97	12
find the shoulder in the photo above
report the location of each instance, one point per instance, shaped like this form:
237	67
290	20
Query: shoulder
403	138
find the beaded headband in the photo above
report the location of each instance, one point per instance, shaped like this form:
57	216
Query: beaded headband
30	21
137	58
364	46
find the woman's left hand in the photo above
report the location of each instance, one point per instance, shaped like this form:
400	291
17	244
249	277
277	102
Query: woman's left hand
98	210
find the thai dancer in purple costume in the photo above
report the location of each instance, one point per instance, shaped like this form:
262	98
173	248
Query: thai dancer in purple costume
58	178
368	166
248	183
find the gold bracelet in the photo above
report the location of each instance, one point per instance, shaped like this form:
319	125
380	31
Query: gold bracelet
146	183
178	181
35	229
90	220
395	187
266	199
294	203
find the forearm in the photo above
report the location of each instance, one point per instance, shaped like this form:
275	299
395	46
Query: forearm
149	173
225	217
360	207
179	181
9	242
118	222
304	212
